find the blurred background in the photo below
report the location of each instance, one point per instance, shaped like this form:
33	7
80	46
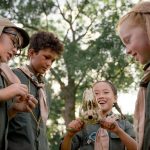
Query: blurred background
93	51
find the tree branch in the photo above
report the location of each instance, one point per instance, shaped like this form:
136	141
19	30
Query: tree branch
57	78
69	21
44	10
119	72
88	27
61	12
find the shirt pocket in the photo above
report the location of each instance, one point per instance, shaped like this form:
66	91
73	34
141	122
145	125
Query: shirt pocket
115	142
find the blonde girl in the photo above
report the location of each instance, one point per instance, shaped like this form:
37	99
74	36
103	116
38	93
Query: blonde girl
134	31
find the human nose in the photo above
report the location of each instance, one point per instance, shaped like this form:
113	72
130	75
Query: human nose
99	96
128	50
14	50
49	63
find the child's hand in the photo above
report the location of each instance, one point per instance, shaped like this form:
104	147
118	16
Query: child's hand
18	89
110	124
75	126
19	105
25	105
13	90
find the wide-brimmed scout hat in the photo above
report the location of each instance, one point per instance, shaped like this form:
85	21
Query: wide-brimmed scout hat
4	22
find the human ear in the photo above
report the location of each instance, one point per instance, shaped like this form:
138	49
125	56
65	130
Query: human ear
30	52
115	99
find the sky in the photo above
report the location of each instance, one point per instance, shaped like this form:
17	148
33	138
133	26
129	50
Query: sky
126	101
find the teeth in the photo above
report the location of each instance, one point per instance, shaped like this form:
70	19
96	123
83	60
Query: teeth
102	103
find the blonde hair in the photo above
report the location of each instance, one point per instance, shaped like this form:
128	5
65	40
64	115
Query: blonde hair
138	16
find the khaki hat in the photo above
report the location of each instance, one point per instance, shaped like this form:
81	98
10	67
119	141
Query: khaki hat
4	22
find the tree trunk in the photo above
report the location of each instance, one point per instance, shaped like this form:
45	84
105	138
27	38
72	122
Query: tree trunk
69	93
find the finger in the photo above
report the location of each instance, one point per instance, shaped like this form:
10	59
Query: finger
24	86
71	130
28	109
33	99
112	126
80	122
23	97
24	90
31	104
29	95
78	126
75	125
104	123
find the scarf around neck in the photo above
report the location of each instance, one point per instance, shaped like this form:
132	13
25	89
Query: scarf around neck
8	74
41	92
102	136
139	113
102	140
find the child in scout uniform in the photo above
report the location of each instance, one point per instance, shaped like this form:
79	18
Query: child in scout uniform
134	31
27	131
111	133
12	38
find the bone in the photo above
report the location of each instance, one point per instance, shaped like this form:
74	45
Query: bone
90	111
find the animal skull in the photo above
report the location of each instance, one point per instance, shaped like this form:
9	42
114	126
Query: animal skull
90	110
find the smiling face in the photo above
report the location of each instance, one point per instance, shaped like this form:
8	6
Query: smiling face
136	41
7	49
41	61
105	96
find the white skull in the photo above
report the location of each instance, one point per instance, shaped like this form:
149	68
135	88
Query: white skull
90	110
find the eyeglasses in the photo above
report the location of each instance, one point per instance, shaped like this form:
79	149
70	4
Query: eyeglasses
15	40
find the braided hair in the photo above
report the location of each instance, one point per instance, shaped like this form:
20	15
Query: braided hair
114	89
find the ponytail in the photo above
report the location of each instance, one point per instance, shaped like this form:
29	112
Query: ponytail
119	110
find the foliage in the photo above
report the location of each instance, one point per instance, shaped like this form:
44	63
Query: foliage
92	52
129	118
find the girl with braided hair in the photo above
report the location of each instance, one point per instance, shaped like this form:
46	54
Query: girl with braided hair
134	31
111	133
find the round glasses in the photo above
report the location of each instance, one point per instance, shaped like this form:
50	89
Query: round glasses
15	40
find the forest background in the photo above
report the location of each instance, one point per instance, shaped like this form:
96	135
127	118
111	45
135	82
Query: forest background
92	51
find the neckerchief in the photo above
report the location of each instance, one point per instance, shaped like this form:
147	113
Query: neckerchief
102	136
8	74
102	140
41	92
139	113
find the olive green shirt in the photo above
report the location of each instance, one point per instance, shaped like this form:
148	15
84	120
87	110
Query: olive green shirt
146	140
3	119
24	134
84	140
146	137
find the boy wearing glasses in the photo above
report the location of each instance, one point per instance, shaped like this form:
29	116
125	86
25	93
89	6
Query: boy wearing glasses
12	38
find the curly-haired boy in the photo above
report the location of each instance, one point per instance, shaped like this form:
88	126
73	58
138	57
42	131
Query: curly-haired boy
27	131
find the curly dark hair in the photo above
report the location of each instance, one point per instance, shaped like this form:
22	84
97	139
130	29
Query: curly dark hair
42	40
